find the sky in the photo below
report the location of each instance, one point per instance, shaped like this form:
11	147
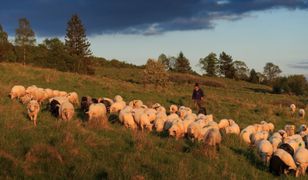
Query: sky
253	31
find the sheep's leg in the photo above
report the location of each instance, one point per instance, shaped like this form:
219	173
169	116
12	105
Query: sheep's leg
34	120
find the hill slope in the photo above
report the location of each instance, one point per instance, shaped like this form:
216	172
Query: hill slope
56	149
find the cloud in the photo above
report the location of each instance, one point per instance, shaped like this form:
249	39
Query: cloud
49	17
300	65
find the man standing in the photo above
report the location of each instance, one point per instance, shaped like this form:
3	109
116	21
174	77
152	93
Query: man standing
197	97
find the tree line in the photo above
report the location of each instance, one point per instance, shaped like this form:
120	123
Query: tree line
73	55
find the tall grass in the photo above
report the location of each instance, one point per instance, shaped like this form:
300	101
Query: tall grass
71	150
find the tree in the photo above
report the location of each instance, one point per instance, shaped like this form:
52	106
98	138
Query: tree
241	70
297	84
226	68
3	43
24	37
209	64
165	61
182	64
271	71
77	45
76	40
155	73
253	77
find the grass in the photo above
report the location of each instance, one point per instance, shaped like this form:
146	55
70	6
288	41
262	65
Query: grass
71	150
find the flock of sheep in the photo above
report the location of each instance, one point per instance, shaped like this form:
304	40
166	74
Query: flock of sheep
284	151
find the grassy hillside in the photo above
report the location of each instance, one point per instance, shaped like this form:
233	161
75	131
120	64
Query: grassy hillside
57	150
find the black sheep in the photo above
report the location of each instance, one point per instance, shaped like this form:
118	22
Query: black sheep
54	108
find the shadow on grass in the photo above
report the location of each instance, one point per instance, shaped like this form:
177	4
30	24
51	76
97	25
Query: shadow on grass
102	175
251	157
259	90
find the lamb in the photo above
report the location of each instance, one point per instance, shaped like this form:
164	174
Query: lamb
301	159
301	113
73	98
17	91
97	113
66	111
33	110
265	150
281	162
212	138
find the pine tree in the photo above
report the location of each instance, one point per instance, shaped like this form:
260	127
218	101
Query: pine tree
78	46
182	64
209	64
24	37
226	68
76	40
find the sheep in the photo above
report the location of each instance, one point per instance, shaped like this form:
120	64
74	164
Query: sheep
33	108
212	138
170	118
294	141
160	120
177	129
107	102
39	94
292	108
265	150
142	118
205	118
17	91
223	123
119	104
98	112
173	109
301	159
269	127
128	120
25	99
62	93
233	129
281	162
31	89
246	133
301	113
151	114
66	111
54	106
305	139
275	140
73	98
188	120
56	93
258	136
184	111
198	129
49	93
290	129
303	130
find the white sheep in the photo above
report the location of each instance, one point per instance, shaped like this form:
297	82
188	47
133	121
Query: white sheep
66	111
160	120
142	119
62	93
126	117
49	92
177	129
31	89
276	140
290	129
246	133
56	93
97	112
170	118
292	108
303	130
212	137
73	98
301	159
301	113
233	129
265	150
258	136
223	123
173	108
33	108
25	99
118	98
17	91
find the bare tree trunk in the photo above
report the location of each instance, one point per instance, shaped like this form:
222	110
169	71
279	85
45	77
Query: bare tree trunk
24	48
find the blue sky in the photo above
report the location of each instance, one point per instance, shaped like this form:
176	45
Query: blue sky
254	31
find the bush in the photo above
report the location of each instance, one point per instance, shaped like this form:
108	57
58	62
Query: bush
155	73
295	84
